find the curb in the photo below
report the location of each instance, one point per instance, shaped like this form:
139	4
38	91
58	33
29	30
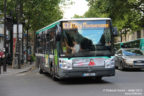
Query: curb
32	67
17	71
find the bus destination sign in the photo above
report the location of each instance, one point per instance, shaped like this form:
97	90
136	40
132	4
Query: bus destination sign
84	25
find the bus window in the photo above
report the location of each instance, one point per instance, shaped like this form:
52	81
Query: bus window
91	38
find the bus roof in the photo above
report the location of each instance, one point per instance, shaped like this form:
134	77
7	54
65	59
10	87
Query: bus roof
73	19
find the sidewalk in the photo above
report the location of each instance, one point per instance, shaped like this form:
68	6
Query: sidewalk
11	71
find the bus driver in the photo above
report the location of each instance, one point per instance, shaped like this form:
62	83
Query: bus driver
75	48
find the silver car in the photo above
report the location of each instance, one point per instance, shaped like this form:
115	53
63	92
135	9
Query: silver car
129	58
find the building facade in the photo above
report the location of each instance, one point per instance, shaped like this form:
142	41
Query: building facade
130	36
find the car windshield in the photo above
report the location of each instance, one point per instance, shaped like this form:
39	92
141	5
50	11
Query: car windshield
132	52
86	38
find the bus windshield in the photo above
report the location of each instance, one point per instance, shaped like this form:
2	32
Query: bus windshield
86	38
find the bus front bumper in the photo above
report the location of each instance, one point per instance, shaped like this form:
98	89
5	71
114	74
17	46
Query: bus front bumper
86	73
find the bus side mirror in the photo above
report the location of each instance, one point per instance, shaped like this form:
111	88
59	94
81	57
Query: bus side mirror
115	31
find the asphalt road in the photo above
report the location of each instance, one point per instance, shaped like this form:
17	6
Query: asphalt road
126	83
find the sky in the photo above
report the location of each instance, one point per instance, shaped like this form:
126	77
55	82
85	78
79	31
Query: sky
79	7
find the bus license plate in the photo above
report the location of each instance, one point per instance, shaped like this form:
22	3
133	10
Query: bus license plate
89	74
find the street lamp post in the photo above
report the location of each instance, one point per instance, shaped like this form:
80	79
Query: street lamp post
9	24
27	27
5	9
27	45
18	43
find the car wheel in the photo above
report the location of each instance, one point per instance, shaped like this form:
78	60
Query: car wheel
121	67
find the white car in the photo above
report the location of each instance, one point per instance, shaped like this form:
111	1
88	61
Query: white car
129	58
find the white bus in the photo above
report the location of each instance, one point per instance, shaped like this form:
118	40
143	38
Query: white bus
71	48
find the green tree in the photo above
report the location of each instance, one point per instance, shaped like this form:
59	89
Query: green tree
125	14
77	16
38	13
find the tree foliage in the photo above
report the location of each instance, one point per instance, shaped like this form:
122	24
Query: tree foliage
77	16
42	12
126	14
37	13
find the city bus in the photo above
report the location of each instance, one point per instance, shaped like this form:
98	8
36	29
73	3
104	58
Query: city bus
139	43
76	48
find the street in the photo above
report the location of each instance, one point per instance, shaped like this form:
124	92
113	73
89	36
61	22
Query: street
125	83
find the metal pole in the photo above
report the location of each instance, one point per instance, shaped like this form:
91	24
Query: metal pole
11	41
21	15
18	45
22	46
4	61
0	65
27	46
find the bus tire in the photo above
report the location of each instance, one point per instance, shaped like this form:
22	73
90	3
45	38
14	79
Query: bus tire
121	67
40	70
52	73
55	78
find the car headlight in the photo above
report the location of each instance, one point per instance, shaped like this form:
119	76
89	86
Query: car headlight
109	63
65	64
128	61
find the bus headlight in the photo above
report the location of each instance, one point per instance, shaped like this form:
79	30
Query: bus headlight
109	63
65	64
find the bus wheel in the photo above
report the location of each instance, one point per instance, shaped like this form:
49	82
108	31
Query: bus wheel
52	73
40	70
54	76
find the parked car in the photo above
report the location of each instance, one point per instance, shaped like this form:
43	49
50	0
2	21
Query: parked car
129	58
